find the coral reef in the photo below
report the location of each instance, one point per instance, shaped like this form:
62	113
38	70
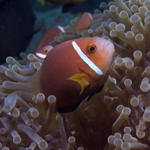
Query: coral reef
117	118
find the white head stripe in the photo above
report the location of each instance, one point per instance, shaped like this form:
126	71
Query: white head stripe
86	59
61	28
41	55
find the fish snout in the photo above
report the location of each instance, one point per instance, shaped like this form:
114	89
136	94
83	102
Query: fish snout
109	47
105	55
109	51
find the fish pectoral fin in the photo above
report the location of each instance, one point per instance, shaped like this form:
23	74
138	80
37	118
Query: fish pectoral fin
80	78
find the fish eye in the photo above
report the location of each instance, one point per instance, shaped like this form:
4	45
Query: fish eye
91	48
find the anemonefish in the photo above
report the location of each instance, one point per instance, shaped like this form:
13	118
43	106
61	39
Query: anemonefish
42	53
74	69
50	35
44	47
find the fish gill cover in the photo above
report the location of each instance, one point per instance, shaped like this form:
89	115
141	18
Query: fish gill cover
116	118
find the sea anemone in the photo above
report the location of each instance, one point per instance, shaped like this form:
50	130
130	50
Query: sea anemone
126	91
23	116
115	118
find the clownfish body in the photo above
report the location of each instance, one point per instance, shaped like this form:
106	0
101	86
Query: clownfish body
50	35
44	47
42	53
74	69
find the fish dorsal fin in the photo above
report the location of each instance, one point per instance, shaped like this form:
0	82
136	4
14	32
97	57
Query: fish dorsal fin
80	78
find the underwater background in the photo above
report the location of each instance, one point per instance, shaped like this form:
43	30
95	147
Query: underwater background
116	114
23	20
